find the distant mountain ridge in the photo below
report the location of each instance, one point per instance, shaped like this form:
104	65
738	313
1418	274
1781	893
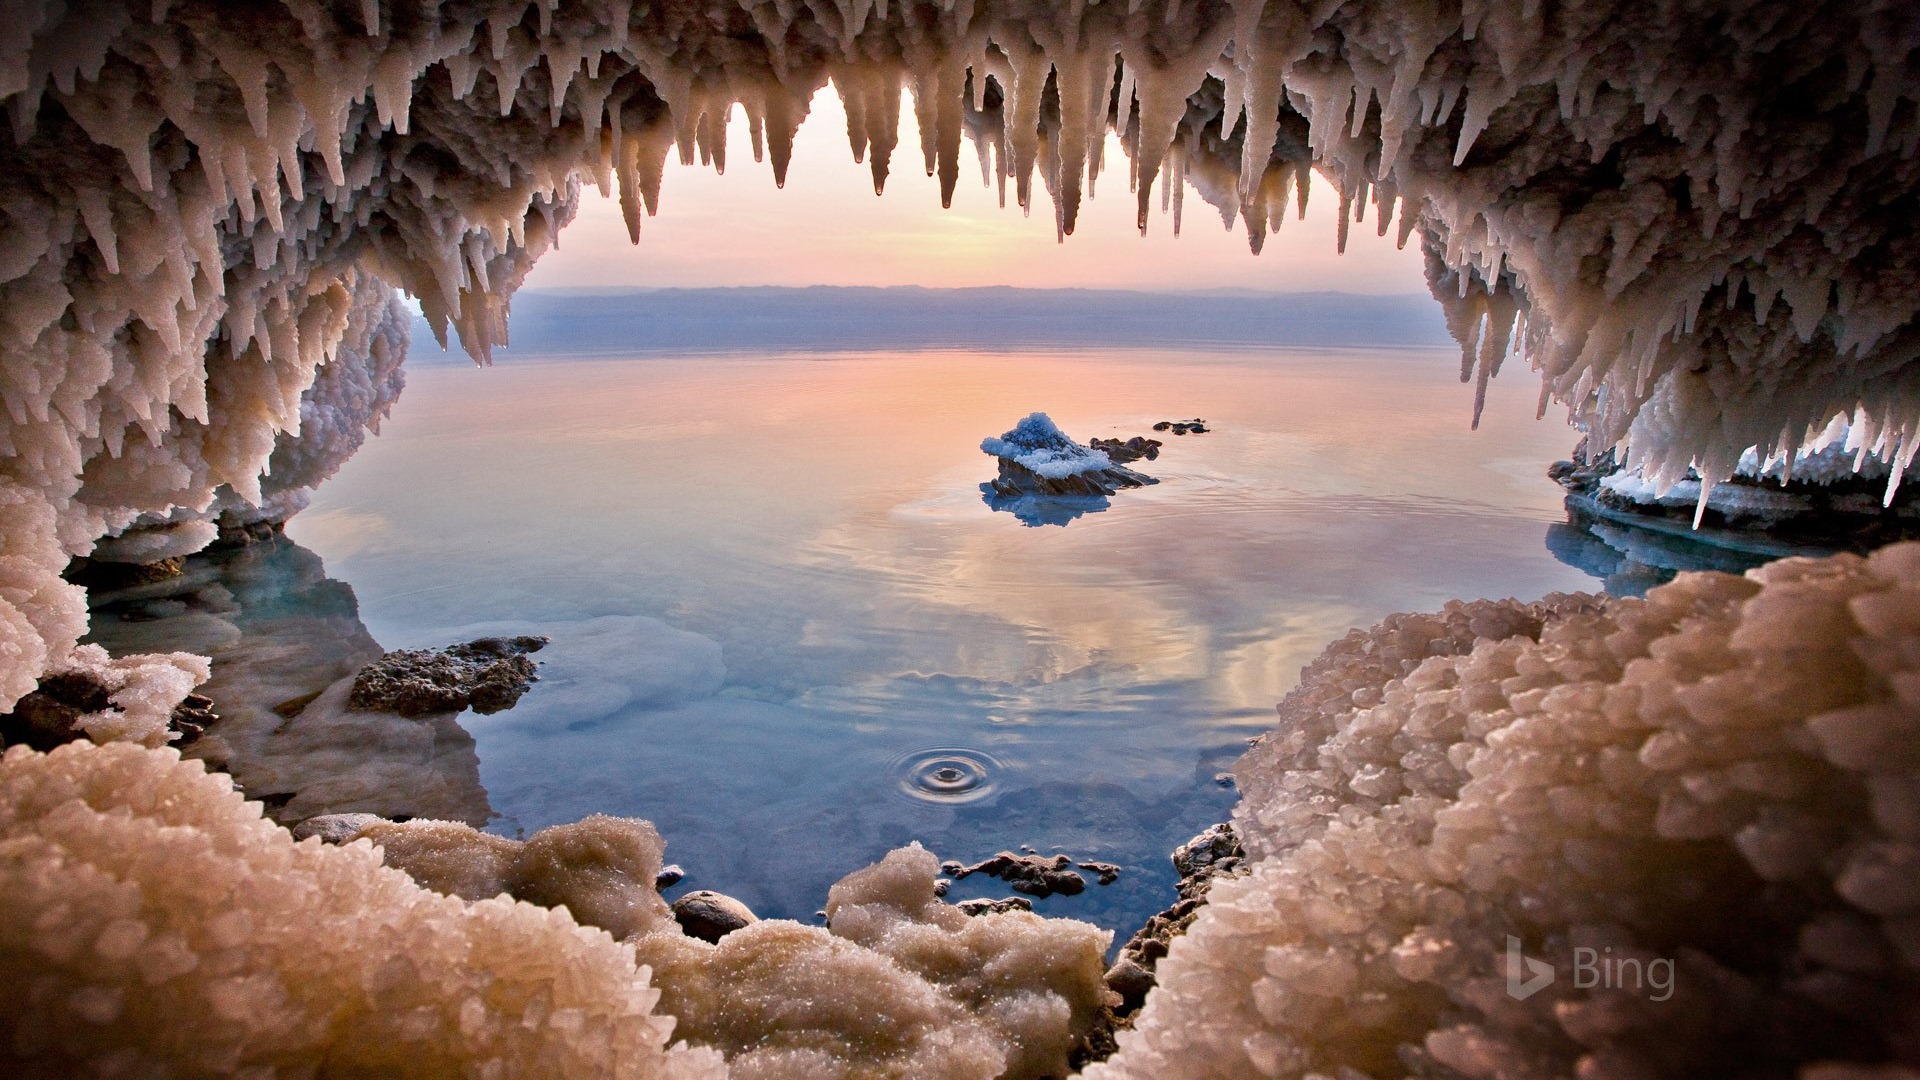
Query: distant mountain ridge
610	321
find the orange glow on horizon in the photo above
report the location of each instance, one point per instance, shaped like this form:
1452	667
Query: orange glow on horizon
827	228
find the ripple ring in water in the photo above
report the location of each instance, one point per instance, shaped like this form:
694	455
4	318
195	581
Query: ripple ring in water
947	775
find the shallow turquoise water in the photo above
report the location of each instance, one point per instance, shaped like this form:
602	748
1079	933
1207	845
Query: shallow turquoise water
779	605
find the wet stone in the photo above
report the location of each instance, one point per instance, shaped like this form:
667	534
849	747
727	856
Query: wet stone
1034	875
487	675
1131	981
1107	873
711	916
669	876
1132	449
1214	854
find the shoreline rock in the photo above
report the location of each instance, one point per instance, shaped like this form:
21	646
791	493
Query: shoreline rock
1213	854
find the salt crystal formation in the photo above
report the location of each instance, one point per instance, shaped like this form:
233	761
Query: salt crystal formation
903	986
1832	492
156	921
601	869
1722	776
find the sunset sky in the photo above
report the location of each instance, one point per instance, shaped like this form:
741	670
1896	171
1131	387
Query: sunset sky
828	228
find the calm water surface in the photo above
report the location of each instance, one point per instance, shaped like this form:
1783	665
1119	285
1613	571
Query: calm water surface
787	629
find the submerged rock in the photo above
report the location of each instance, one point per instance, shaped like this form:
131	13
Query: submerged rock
1037	458
487	675
710	916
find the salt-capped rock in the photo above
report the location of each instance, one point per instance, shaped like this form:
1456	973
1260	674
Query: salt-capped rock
1037	458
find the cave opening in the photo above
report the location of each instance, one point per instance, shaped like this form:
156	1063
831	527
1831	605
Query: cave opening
1695	224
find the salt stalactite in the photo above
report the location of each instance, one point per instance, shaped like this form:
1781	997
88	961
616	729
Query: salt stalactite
188	191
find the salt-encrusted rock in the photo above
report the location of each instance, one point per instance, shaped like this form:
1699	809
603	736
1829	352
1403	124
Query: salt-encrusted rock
988	906
488	675
1106	872
45	718
1215	850
1037	458
711	916
1714	782
95	695
1036	875
335	828
1835	496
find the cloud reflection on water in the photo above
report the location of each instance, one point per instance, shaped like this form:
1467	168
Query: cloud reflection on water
817	521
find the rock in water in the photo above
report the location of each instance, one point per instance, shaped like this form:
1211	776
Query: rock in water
487	674
1035	875
1037	458
1131	450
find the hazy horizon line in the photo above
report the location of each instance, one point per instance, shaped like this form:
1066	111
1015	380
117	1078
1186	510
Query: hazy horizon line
1220	290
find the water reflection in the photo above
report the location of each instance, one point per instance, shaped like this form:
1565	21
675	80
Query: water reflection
1035	511
286	641
1629	559
772	588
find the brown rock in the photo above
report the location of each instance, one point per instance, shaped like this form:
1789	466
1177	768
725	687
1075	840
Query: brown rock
711	916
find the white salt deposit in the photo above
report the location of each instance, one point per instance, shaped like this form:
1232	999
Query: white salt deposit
1038	444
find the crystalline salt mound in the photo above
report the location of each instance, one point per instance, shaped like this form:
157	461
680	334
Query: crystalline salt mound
155	917
1719	779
